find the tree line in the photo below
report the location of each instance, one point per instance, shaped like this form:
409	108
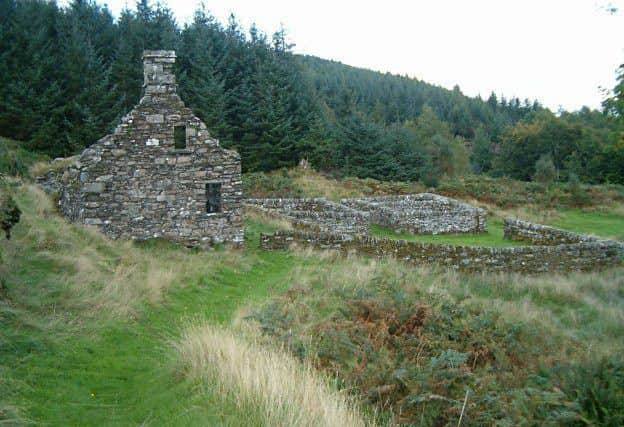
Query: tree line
68	74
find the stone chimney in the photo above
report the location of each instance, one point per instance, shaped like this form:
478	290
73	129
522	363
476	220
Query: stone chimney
158	72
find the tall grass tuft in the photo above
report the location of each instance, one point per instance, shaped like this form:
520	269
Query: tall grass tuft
267	382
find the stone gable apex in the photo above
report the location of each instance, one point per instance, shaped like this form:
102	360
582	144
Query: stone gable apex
159	174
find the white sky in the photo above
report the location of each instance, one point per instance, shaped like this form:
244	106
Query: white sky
559	52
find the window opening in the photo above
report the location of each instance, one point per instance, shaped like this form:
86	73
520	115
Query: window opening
179	137
213	197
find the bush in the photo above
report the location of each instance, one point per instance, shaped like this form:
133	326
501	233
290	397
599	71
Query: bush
14	160
9	215
598	389
578	196
278	184
9	211
417	354
545	170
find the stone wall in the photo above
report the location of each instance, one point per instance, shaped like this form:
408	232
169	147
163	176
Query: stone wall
422	214
524	259
538	234
315	214
136	183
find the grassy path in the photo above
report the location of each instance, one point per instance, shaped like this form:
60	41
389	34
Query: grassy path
120	373
61	366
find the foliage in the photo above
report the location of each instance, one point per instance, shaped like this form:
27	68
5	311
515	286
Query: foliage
583	143
67	83
278	184
482	154
598	387
15	160
545	170
395	337
614	105
508	193
9	211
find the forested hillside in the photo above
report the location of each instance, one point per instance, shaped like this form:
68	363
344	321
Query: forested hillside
67	75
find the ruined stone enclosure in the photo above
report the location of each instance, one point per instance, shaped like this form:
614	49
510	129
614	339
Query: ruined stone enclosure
319	215
159	174
422	214
343	227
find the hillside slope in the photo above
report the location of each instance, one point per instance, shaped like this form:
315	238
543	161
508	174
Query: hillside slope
100	332
92	331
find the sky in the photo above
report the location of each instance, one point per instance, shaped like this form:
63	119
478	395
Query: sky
559	52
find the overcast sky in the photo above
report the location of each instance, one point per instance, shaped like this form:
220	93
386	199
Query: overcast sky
559	52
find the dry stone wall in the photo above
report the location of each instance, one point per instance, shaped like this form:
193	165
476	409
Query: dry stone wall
525	259
137	183
315	214
538	234
422	214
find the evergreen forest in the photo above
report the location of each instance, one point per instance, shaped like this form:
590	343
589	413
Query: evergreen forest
68	74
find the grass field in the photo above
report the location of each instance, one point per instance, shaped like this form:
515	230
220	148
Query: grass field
88	324
492	238
100	332
603	224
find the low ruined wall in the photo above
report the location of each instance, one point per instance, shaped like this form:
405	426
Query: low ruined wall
524	259
422	214
538	234
315	214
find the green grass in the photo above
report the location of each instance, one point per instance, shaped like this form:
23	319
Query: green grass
603	224
65	362
64	365
492	238
14	159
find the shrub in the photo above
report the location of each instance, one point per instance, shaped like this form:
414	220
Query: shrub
14	160
545	170
9	211
418	354
598	389
278	184
578	196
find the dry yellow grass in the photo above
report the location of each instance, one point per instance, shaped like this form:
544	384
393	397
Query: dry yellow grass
41	168
281	390
255	214
135	276
315	184
586	307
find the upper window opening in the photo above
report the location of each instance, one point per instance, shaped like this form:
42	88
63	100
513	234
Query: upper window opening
179	137
213	197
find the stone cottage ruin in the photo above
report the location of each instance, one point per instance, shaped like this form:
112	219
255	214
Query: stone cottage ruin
159	174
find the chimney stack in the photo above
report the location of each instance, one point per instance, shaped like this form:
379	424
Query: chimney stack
158	72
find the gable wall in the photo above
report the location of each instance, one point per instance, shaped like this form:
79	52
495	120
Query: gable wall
135	183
